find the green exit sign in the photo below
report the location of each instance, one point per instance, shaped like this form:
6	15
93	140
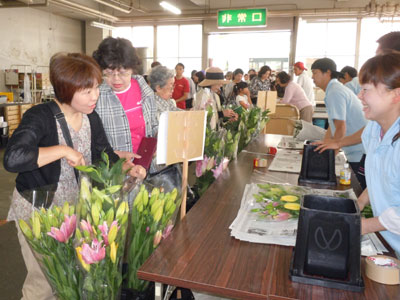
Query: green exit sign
242	18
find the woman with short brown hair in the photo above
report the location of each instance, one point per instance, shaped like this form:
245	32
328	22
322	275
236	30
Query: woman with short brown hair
39	153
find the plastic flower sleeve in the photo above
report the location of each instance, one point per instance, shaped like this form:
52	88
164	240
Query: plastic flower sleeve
103	213
51	239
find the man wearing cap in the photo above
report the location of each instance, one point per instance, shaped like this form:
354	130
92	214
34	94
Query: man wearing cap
344	110
350	79
304	81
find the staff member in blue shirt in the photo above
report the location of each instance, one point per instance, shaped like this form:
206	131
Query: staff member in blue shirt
344	110
380	97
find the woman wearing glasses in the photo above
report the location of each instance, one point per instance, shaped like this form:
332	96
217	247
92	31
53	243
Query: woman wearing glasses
126	104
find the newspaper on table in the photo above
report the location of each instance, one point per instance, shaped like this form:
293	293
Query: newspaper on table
307	131
250	227
289	142
287	160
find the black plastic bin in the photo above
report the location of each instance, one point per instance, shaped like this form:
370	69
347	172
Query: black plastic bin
317	167
328	244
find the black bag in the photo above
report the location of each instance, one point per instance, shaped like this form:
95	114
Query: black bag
170	178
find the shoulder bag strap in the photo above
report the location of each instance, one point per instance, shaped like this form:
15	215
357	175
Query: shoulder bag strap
59	116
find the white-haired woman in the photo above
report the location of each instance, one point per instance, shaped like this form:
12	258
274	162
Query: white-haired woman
161	80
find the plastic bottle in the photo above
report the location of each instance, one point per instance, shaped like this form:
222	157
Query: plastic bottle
345	175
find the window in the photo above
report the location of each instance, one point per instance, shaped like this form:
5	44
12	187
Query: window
371	30
250	50
180	43
334	38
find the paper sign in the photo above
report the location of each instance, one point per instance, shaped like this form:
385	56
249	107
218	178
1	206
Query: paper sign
172	136
267	100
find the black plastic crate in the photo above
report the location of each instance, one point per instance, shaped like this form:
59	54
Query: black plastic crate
328	244
317	167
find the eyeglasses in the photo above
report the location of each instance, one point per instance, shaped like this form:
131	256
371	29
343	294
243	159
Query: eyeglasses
120	74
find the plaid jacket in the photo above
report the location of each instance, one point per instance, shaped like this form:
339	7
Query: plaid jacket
114	119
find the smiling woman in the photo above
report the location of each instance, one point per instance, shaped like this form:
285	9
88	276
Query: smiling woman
39	152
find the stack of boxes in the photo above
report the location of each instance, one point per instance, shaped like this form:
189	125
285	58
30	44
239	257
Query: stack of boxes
13	115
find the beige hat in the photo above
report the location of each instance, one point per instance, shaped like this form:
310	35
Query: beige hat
214	75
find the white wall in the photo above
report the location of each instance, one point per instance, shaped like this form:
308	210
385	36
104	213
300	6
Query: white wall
30	36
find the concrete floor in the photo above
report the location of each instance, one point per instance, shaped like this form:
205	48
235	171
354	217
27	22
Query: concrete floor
12	266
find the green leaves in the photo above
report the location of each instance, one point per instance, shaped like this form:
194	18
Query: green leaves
103	174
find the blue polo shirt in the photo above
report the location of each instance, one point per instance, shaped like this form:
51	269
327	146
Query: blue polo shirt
382	173
342	104
354	85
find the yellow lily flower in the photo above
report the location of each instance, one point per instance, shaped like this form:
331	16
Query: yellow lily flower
84	265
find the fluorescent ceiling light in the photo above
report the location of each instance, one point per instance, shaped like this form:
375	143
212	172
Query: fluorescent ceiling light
102	25
170	7
116	6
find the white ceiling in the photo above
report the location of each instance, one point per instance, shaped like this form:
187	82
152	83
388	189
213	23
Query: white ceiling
150	9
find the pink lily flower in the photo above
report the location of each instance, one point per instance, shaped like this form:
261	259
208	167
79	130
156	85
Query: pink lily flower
282	216
94	253
218	170
167	231
157	238
66	230
86	226
104	230
199	165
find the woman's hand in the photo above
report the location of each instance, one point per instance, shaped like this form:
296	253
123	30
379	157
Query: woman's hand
74	158
127	155
229	113
137	171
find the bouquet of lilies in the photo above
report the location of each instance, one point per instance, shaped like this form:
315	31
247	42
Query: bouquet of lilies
49	234
100	239
151	222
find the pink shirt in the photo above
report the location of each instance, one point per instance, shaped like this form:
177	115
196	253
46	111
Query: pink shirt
295	95
131	100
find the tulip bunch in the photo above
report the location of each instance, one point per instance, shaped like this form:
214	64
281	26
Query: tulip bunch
103	213
50	236
151	221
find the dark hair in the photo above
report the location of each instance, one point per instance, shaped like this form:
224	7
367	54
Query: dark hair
116	53
349	70
200	76
192	74
283	77
180	64
155	64
237	71
251	70
390	40
263	70
383	69
251	76
72	72
239	86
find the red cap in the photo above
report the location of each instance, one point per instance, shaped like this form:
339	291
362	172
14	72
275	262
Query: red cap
300	65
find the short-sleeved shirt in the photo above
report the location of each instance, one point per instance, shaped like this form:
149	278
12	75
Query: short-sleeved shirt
306	84
181	86
354	85
242	98
341	104
295	95
382	175
131	101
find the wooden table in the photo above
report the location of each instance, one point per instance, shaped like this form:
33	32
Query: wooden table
201	255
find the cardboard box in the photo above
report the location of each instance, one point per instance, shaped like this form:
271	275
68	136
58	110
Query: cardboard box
267	100
11	77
